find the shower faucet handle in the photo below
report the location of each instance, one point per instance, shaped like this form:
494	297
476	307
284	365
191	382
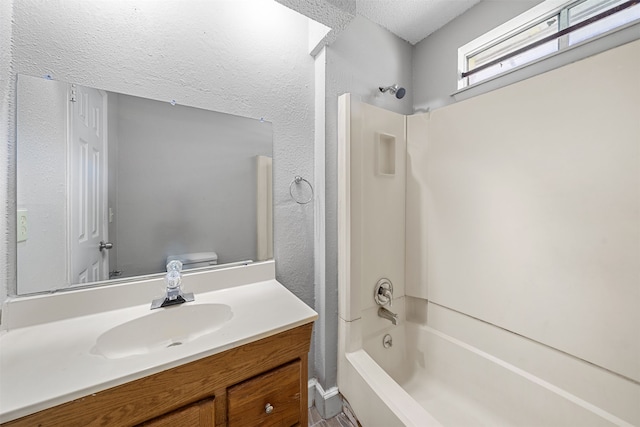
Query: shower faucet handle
383	292
389	296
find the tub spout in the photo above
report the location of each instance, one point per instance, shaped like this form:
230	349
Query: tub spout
387	314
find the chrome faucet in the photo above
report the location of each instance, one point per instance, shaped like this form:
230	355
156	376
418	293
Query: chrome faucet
174	287
387	314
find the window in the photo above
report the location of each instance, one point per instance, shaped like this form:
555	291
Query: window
548	28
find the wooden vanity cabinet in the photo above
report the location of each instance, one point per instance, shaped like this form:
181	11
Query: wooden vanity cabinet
263	383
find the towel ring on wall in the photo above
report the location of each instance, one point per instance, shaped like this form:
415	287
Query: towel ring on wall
297	180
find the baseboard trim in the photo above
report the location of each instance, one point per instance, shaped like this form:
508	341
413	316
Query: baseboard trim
327	402
311	391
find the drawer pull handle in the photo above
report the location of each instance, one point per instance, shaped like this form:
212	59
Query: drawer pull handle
268	408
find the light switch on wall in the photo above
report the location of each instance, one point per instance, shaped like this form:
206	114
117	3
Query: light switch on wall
22	225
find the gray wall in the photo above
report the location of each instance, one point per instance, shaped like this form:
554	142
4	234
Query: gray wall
364	57
244	57
435	60
186	183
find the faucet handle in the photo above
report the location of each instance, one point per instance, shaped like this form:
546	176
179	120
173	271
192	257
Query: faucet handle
388	295
383	292
174	265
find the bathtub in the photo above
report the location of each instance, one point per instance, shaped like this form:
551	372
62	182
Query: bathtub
435	375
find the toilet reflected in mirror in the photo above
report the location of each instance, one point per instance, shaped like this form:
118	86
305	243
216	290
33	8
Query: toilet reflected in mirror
195	260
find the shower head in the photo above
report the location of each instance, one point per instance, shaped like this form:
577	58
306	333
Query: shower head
396	90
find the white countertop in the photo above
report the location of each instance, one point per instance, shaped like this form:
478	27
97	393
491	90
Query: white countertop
46	364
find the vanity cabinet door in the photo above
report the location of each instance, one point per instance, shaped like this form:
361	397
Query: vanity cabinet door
199	414
270	399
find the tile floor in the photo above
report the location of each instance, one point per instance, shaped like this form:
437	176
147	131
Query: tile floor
339	420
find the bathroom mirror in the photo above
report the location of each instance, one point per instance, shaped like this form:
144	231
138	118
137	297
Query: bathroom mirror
111	185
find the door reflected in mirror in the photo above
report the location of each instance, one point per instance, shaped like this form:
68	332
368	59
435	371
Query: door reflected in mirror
109	186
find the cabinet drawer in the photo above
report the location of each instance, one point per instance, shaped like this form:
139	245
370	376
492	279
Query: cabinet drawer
199	414
271	399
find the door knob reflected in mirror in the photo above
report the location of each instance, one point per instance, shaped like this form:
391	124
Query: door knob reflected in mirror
103	245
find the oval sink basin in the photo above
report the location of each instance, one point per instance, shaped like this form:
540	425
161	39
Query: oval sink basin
162	328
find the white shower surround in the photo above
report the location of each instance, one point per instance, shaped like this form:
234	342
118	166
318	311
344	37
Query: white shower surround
467	350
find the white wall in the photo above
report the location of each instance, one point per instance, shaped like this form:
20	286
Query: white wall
531	195
7	152
363	58
42	183
435	61
246	57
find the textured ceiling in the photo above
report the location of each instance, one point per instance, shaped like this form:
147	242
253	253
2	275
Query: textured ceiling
412	20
